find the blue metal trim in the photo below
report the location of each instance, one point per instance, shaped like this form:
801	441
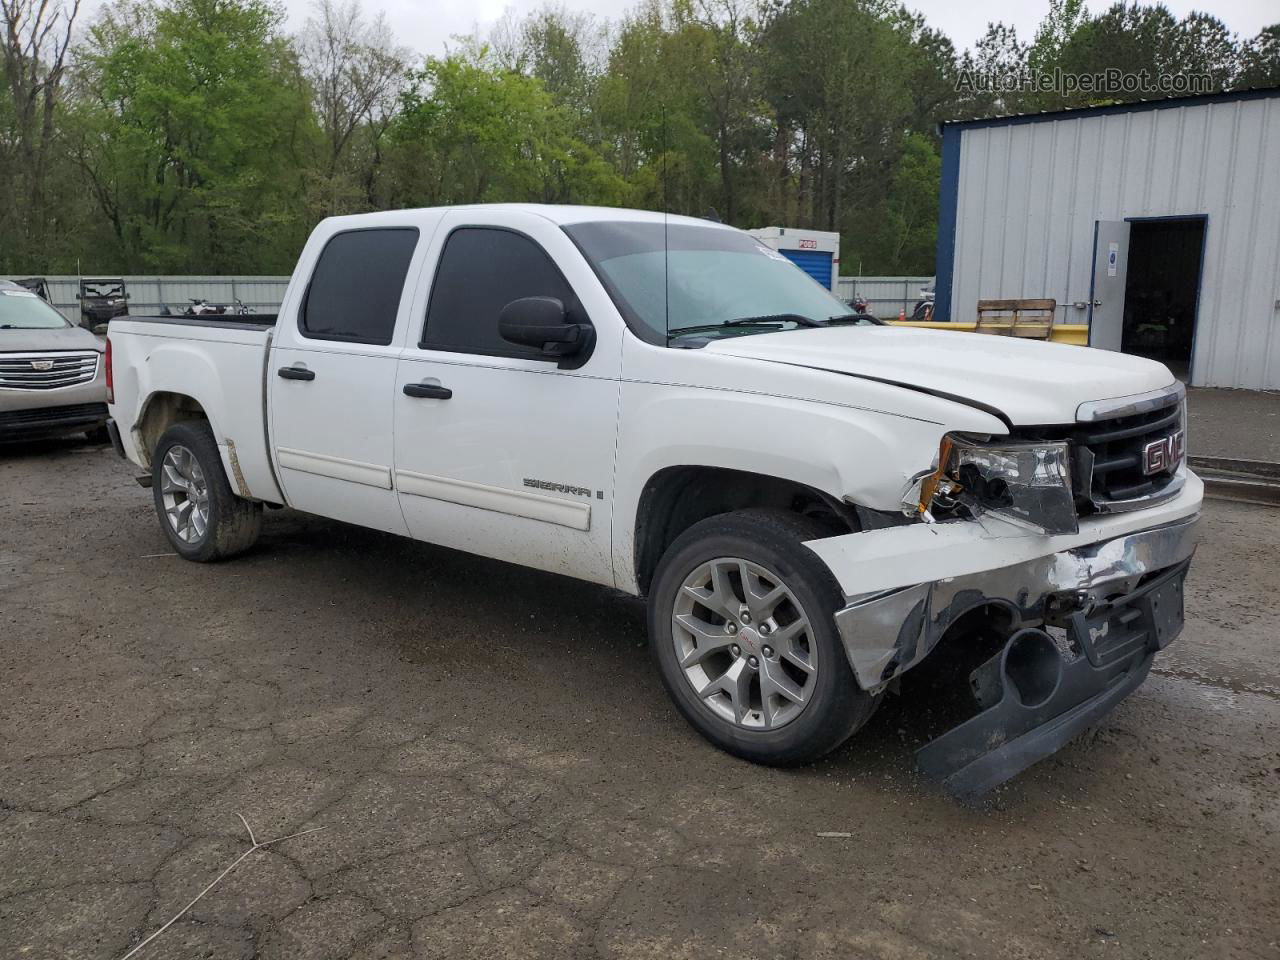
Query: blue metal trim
1138	106
948	209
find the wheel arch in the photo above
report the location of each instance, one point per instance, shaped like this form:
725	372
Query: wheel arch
161	410
674	498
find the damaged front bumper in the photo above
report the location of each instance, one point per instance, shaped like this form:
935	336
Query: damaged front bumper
1115	588
1035	695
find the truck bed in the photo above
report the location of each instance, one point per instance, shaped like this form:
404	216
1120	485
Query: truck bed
220	363
250	321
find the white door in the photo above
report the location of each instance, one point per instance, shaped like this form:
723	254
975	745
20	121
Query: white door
499	450
331	375
1110	270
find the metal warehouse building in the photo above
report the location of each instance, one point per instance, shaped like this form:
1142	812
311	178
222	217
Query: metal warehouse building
1157	223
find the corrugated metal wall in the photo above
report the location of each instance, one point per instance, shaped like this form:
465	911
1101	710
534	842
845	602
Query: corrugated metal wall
147	294
1029	193
886	296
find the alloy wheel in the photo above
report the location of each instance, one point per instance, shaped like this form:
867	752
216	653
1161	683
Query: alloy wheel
184	494
744	643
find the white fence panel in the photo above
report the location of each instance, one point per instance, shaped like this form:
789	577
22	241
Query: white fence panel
147	294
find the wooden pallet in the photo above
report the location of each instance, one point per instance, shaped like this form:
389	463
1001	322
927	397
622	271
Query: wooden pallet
1030	319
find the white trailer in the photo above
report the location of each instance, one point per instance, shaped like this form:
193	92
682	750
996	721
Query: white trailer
816	252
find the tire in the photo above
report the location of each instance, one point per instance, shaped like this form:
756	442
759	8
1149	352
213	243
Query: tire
776	731
195	478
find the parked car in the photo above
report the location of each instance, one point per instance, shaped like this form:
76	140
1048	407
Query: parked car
659	405
37	285
52	379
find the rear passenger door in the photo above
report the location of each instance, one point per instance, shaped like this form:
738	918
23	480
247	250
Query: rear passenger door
332	372
507	454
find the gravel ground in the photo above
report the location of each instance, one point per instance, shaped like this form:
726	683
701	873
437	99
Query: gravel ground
498	774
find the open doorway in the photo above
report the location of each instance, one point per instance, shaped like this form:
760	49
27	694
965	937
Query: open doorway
1162	289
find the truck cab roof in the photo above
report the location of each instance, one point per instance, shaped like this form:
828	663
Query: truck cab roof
561	214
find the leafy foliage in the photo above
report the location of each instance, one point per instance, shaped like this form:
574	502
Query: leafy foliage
197	136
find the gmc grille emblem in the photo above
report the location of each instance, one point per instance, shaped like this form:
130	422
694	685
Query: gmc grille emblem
1163	455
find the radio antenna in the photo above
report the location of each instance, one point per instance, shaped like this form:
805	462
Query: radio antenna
666	246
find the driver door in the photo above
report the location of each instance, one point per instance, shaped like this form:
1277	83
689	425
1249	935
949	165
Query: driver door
499	450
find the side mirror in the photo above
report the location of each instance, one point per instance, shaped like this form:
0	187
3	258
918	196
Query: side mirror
541	322
100	329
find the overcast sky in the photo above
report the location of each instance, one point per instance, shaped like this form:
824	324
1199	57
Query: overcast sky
428	25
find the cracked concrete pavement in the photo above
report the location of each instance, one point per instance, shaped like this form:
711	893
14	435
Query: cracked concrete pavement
498	773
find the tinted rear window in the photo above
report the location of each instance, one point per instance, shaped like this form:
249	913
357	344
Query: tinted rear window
356	287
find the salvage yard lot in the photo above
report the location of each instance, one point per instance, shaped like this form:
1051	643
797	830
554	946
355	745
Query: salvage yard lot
498	773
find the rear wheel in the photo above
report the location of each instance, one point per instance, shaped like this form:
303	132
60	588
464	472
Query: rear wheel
740	623
201	516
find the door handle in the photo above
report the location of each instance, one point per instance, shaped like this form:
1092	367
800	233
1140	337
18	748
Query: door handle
1097	303
431	390
296	373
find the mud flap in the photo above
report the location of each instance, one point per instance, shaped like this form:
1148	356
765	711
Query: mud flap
1034	697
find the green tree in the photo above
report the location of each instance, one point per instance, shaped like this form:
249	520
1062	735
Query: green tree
191	128
906	222
998	58
467	134
1057	28
1136	39
34	40
1260	59
838	83
356	74
656	127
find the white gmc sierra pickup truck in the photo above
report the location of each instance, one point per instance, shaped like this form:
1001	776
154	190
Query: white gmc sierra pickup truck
812	504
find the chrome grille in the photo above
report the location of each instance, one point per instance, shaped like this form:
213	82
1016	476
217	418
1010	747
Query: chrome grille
47	371
1117	449
1126	453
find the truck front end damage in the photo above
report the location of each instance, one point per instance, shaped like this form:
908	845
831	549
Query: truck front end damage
1050	628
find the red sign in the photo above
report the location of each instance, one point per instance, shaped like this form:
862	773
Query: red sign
808	244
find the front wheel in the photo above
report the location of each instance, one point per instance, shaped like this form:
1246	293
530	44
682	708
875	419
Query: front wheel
201	516
741	627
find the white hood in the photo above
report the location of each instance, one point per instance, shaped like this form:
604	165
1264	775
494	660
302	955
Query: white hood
1029	381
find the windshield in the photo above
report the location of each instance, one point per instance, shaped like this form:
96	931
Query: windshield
23	310
683	284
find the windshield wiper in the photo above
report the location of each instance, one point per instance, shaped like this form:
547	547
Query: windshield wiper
761	321
853	318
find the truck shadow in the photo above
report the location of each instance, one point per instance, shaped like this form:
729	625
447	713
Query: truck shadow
527	622
592	632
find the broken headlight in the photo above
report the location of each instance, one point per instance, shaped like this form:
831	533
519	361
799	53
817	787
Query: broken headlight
1028	484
